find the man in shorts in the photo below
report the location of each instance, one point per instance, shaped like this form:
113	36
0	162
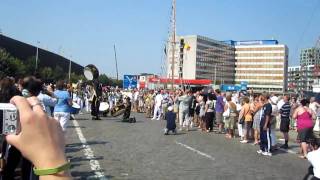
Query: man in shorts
219	107
285	120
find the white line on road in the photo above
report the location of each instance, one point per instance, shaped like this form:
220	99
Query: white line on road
197	151
94	164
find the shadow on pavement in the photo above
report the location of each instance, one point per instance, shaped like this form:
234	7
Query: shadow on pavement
87	175
75	147
81	127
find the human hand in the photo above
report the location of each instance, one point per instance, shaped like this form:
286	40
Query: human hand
41	139
265	128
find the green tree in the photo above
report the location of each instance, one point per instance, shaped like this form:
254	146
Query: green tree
30	64
11	66
58	73
105	80
46	73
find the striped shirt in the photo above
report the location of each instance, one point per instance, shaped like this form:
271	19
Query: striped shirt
285	110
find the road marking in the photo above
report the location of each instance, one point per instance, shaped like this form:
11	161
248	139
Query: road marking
94	164
196	151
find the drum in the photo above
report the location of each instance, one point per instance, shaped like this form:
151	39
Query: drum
91	72
104	106
75	108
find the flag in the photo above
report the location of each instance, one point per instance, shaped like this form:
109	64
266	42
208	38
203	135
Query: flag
187	47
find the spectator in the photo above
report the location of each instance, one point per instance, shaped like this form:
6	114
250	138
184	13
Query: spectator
219	110
304	116
285	121
245	113
62	108
265	138
230	121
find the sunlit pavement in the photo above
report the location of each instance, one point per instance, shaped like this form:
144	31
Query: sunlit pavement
111	149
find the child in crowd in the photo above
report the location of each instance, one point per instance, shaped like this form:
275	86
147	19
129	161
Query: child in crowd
170	116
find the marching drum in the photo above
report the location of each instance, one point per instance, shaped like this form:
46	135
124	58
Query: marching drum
91	72
75	108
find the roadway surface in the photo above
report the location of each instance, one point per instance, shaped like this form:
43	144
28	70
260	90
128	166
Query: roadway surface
110	149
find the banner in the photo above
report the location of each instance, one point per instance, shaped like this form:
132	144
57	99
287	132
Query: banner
130	81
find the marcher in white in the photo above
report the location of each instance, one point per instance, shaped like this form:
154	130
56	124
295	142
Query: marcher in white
157	106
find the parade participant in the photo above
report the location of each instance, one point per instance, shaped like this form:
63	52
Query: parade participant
96	100
165	103
265	139
257	110
246	115
135	94
304	116
209	113
170	116
230	116
285	120
219	108
127	112
157	106
62	108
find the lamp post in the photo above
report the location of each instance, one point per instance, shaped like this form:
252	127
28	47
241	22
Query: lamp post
37	54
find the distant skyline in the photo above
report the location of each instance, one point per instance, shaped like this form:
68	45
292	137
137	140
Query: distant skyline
86	31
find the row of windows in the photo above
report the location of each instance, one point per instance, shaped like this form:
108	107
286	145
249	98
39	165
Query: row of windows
260	66
261	77
260	54
259	60
260	71
261	49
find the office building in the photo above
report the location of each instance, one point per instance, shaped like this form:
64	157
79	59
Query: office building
301	79
310	56
262	64
199	57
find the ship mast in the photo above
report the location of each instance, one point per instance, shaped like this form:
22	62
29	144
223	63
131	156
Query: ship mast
173	41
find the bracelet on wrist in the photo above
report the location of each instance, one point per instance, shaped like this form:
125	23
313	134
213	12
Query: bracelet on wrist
51	171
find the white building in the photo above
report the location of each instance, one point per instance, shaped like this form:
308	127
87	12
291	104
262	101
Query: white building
198	57
262	64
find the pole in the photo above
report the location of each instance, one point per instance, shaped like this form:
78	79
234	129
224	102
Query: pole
173	41
70	69
115	58
215	74
37	56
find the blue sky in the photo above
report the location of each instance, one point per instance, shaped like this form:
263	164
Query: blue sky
87	30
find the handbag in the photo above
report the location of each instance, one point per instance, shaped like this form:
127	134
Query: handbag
226	113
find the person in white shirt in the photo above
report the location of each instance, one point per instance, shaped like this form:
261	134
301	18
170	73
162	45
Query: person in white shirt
315	107
157	106
314	158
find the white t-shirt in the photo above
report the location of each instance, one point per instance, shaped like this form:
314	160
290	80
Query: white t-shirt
158	100
136	95
314	158
313	107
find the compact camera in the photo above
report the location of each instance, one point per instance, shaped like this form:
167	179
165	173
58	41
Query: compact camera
9	118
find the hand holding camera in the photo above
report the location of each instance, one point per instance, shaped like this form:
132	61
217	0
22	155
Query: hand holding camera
41	139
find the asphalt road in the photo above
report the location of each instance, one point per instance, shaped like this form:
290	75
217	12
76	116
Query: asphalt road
110	149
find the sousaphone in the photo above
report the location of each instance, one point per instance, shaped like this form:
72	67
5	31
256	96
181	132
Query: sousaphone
91	72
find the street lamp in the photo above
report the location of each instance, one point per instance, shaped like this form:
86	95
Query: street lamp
37	54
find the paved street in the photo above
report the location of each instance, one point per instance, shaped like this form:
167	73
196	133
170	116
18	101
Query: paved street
110	149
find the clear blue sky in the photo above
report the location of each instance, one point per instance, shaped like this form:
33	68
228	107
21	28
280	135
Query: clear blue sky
87	30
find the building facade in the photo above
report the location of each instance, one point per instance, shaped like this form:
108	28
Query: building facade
199	57
310	56
301	78
262	64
